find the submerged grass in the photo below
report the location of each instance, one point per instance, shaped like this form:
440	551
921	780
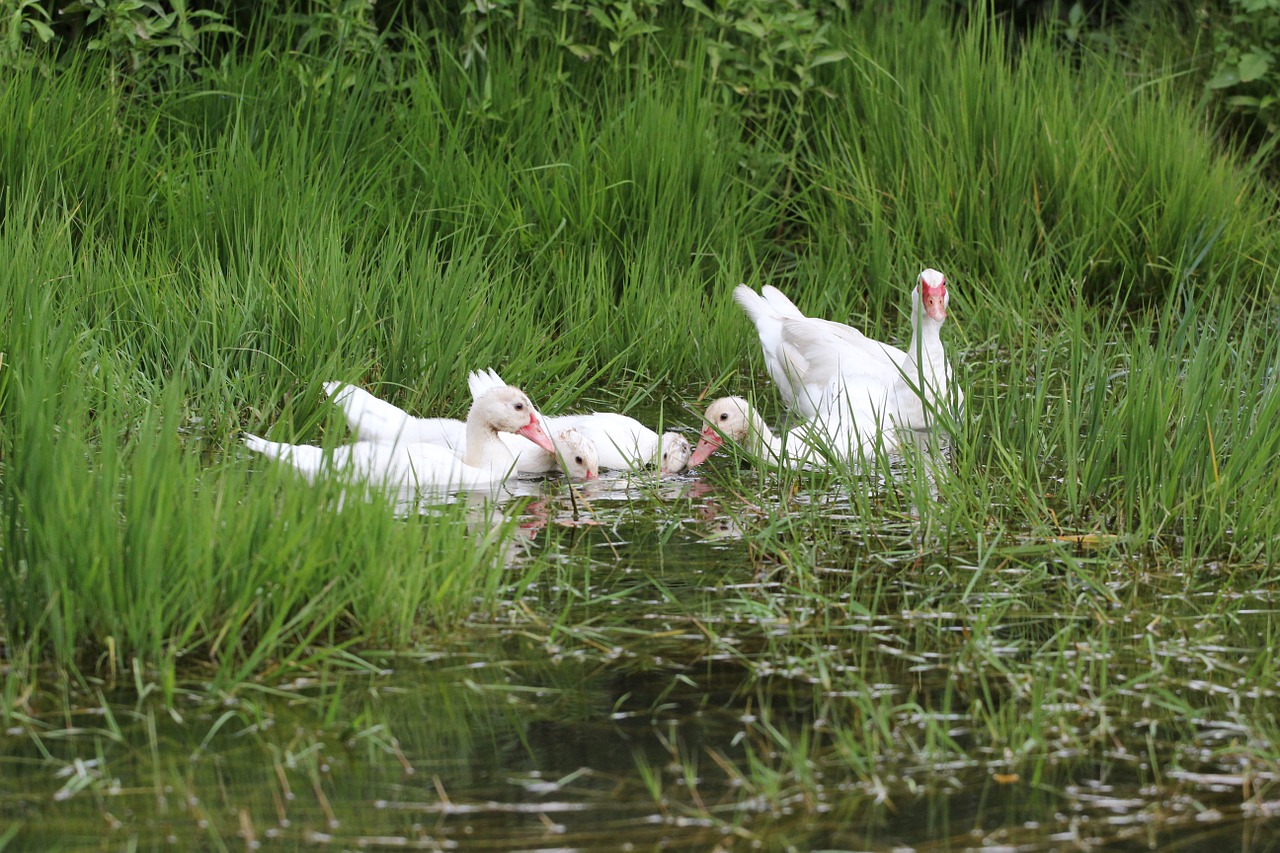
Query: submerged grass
854	673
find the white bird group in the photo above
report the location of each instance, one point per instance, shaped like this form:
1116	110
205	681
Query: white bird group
855	395
503	436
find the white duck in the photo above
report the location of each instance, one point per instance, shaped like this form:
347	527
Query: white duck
620	440
375	420
825	369
623	442
421	466
810	443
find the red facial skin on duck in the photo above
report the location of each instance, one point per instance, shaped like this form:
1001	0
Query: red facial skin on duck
933	298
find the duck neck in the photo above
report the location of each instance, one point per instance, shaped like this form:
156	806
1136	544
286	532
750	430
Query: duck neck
484	448
926	364
761	440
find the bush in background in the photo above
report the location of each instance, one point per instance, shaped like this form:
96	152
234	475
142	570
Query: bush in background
765	53
1246	46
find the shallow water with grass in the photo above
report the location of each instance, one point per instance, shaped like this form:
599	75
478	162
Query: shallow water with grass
719	659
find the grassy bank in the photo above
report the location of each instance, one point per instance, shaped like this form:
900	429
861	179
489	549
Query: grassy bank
182	265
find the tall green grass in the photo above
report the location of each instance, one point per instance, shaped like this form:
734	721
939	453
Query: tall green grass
125	549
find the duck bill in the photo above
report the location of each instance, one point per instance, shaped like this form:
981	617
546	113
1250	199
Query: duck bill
534	432
710	442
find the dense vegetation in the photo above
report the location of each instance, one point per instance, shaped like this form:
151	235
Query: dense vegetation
181	264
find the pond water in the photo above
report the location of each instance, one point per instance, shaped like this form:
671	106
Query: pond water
700	671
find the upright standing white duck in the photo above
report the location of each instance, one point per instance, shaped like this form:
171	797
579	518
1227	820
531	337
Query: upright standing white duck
376	420
422	466
825	369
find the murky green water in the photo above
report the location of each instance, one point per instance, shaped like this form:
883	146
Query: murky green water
683	681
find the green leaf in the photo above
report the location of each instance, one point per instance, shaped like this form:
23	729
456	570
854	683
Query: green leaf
42	30
1252	66
585	52
1224	78
600	17
828	56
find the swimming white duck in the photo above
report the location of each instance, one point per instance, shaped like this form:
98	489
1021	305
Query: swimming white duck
422	466
375	420
620	441
823	367
625	443
811	443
